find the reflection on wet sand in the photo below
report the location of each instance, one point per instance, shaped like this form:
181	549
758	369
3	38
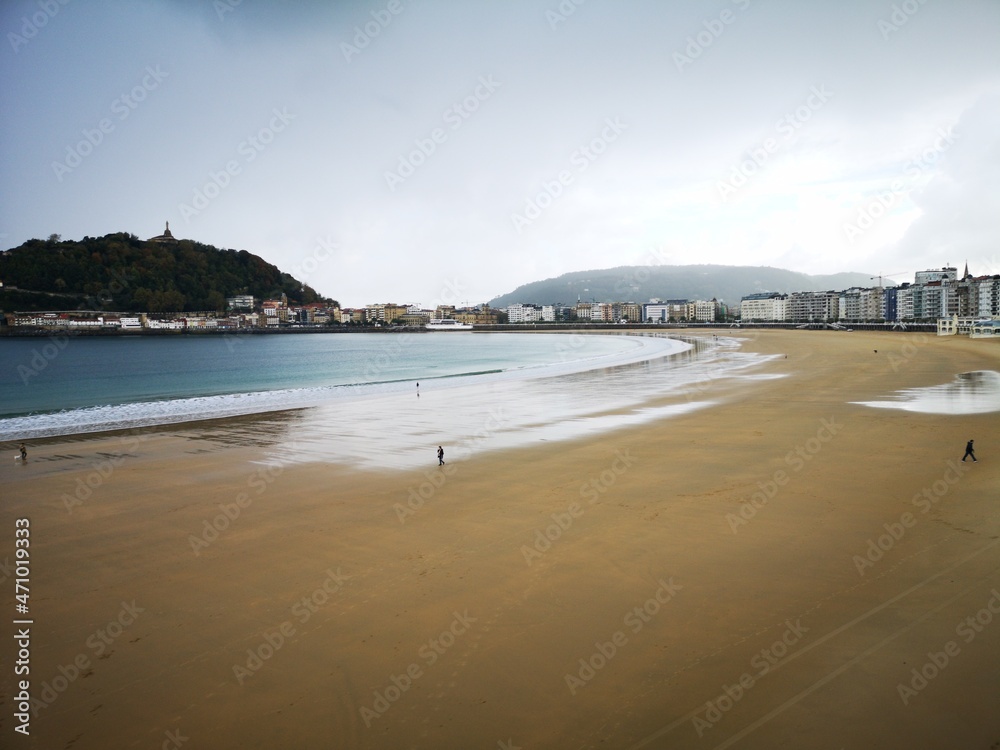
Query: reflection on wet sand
401	431
969	393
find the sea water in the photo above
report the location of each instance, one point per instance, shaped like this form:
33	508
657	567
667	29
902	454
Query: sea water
476	391
80	384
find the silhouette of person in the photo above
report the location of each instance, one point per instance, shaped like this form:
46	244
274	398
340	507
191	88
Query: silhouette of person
24	452
970	452
441	456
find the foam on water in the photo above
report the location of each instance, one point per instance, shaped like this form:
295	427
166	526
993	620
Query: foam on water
402	431
393	425
573	352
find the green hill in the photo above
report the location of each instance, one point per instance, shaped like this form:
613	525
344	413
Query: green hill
642	283
121	273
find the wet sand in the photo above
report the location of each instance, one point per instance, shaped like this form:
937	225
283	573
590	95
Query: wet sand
763	572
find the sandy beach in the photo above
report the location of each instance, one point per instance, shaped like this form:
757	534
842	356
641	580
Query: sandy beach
783	568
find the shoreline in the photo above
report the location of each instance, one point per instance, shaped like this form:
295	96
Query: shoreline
590	592
573	358
39	332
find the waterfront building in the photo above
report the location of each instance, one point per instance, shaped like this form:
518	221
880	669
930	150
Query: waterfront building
763	307
702	311
807	307
948	273
987	295
969	326
519	313
240	302
631	311
656	312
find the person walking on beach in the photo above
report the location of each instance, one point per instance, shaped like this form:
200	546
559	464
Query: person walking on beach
970	452
24	452
440	456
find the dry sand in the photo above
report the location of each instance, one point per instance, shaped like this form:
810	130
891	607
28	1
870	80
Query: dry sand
318	619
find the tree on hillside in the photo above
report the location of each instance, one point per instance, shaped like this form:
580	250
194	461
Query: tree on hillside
120	272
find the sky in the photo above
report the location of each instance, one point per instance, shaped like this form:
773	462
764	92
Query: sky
432	151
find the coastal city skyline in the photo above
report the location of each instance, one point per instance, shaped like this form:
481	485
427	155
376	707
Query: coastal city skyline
416	137
631	279
953	301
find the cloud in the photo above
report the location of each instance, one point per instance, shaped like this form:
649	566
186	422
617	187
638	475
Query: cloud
415	71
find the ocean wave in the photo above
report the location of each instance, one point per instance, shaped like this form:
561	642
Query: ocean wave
108	417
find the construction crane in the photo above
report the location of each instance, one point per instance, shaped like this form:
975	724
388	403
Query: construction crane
887	276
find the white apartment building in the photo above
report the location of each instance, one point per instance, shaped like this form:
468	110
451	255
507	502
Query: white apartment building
518	313
702	311
656	313
987	297
813	306
764	307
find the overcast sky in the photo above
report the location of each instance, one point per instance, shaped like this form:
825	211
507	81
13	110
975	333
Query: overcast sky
417	151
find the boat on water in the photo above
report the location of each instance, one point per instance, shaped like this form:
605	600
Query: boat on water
447	324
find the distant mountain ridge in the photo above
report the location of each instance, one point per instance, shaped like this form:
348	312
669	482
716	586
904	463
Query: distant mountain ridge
692	282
